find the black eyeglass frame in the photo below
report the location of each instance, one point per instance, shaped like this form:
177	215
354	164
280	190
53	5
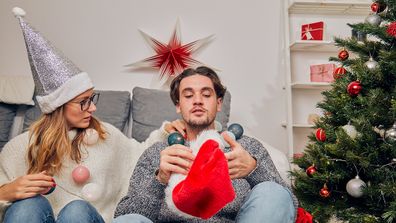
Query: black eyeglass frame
86	103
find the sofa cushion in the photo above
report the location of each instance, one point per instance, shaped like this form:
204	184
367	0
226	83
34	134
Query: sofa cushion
7	114
112	107
150	107
32	113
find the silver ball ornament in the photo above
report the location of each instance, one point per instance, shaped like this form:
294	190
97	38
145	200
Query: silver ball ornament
373	19
384	23
354	187
371	64
390	134
232	137
350	130
218	126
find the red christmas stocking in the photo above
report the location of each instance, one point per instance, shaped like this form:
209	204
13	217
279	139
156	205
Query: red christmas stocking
207	187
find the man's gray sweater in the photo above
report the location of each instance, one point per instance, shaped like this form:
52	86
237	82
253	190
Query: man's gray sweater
146	195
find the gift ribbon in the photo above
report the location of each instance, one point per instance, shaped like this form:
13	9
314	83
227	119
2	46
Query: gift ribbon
308	31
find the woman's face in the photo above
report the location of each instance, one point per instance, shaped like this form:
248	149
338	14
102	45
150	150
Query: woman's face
78	111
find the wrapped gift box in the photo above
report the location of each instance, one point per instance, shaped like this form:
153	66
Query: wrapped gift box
312	31
322	72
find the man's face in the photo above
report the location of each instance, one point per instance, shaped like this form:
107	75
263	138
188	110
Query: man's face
198	103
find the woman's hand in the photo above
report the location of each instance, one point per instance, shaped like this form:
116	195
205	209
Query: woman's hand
177	125
26	186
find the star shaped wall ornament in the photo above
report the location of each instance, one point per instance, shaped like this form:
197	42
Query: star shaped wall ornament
172	58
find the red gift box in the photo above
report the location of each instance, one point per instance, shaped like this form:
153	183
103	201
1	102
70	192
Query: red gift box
312	31
322	72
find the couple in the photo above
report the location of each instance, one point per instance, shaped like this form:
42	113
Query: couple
67	135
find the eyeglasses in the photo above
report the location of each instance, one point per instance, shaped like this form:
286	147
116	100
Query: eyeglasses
86	103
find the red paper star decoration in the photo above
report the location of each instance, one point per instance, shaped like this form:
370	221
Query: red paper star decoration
172	58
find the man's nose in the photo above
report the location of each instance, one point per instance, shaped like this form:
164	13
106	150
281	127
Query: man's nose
198	99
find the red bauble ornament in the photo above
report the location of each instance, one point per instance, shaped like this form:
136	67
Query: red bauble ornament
80	174
391	30
378	7
343	55
320	135
375	6
339	72
324	192
354	88
311	170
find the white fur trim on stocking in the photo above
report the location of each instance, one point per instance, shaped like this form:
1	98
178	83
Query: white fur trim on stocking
175	179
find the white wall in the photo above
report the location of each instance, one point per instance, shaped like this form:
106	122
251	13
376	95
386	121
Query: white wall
102	36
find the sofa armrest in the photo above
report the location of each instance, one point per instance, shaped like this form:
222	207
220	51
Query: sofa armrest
280	160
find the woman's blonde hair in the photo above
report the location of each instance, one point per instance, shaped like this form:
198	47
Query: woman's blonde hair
49	142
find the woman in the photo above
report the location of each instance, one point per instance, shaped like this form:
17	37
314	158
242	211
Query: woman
88	162
56	144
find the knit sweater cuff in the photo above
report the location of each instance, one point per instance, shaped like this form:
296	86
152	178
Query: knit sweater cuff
256	176
157	189
3	207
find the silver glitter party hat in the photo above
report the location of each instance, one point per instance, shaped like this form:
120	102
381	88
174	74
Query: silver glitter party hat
57	80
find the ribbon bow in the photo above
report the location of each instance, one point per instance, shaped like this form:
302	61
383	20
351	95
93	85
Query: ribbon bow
307	32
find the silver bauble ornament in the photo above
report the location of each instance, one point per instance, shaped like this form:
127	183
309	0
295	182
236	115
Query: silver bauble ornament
218	126
354	187
371	64
225	143
350	130
384	23
373	19
390	134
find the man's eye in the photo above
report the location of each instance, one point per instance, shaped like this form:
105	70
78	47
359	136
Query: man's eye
207	95
188	96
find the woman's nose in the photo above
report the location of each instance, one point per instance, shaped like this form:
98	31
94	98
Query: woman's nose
92	107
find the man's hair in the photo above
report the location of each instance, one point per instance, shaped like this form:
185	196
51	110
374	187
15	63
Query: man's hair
219	88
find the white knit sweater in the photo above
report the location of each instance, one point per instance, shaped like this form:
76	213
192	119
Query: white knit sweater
110	163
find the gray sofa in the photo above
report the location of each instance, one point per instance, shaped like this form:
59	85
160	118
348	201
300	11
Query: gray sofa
136	117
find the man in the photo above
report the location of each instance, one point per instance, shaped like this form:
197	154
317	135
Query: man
261	194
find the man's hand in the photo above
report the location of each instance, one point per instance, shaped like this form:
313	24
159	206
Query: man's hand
240	162
174	159
26	186
177	125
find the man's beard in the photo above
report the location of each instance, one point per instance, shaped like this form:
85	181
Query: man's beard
198	126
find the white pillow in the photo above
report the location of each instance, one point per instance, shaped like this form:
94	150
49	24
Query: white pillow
280	160
16	89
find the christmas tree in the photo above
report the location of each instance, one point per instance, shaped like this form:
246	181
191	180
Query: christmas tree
348	169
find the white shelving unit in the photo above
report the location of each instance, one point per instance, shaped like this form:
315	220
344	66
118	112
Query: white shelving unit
311	85
329	7
313	45
303	95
